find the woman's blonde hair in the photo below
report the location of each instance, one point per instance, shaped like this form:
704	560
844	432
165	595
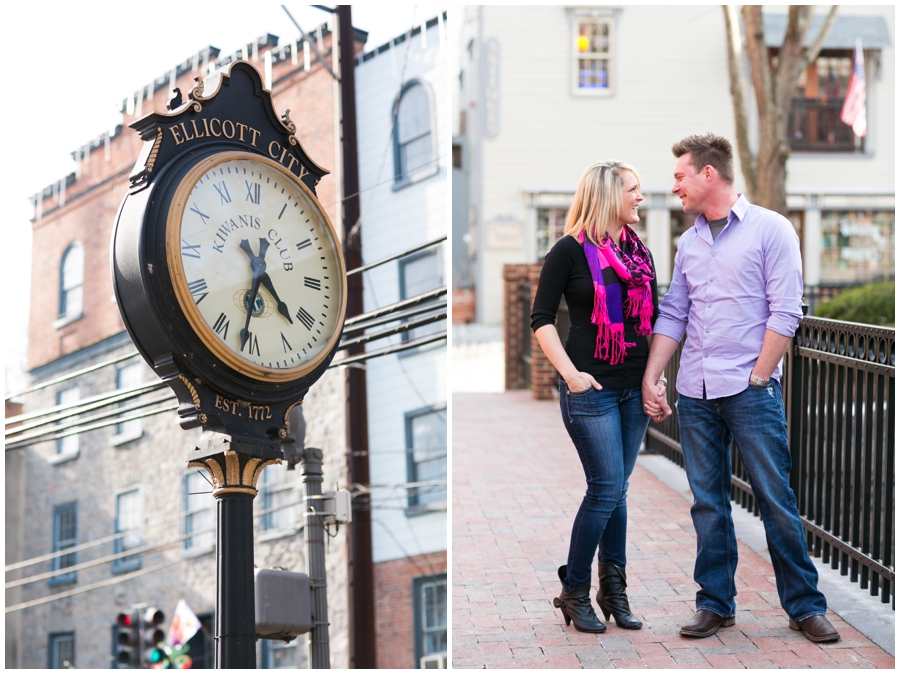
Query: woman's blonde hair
597	200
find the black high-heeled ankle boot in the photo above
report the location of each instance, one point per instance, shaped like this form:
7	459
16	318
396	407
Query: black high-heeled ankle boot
575	605
612	598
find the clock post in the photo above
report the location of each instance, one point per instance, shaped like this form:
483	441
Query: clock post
231	282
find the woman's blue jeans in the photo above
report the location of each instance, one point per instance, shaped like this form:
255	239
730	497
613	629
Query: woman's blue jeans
754	418
607	428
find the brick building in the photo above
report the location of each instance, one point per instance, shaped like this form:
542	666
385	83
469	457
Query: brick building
125	474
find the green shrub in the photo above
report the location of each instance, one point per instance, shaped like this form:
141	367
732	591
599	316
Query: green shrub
872	304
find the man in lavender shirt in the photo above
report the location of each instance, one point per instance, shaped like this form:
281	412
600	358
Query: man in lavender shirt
736	292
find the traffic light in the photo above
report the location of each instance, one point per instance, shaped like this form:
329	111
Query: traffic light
152	636
128	633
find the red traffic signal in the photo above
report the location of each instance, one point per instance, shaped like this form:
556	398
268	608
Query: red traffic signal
127	640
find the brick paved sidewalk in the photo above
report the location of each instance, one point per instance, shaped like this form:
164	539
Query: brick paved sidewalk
517	483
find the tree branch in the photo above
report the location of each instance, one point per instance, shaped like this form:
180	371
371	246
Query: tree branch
788	70
812	53
759	60
735	58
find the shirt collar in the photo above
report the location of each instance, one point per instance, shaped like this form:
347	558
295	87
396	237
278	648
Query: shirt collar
739	210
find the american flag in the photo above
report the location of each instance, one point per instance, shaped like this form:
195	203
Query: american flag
854	111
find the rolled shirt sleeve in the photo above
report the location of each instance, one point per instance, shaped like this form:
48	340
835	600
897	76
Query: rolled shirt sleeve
676	306
784	278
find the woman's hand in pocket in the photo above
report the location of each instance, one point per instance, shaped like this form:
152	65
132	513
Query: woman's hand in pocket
581	382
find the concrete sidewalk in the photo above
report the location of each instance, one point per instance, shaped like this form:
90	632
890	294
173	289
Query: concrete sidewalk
517	484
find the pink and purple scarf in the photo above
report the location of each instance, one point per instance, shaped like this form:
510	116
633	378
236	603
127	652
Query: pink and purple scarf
636	270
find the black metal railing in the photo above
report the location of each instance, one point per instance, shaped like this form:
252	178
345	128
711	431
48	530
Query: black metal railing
814	125
839	400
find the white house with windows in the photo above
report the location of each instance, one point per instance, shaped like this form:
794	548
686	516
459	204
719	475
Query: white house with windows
544	91
403	131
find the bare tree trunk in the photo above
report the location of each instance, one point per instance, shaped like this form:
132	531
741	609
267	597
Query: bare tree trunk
735	61
774	84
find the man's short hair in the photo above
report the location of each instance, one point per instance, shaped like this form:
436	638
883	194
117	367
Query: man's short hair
711	150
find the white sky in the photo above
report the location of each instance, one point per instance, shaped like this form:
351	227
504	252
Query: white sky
70	65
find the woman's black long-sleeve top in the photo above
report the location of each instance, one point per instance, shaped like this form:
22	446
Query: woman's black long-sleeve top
566	272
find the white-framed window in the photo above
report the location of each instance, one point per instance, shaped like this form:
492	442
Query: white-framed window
593	49
65	536
199	513
129	376
426	447
128	520
62	650
430	607
279	655
71	281
277	498
415	144
420	273
551	223
857	246
69	443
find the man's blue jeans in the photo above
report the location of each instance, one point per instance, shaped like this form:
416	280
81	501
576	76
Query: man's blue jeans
755	419
607	428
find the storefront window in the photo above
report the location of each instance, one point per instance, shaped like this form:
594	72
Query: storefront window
857	246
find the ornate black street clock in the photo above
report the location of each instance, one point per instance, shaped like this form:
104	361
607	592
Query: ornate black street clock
231	282
228	273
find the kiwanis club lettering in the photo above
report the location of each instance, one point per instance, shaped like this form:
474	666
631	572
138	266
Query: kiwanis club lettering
184	132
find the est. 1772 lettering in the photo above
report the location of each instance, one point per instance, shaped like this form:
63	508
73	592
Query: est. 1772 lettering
243	409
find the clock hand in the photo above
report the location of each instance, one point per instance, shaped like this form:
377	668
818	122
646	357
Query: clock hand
282	307
258	268
251	302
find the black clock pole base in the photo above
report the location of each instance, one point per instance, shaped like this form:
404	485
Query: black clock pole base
234	466
235	609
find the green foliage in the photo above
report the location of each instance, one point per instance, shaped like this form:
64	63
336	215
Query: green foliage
872	304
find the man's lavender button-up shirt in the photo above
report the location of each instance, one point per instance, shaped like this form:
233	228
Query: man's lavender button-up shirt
726	293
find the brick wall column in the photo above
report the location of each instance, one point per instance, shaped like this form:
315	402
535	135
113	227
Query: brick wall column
543	374
513	325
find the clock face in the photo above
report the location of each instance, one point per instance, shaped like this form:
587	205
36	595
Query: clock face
256	266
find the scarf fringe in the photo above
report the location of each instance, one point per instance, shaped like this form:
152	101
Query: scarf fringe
639	305
611	344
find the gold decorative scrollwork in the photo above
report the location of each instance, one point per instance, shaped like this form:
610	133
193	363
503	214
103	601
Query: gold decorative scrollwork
194	395
231	472
286	121
197	91
293	405
151	160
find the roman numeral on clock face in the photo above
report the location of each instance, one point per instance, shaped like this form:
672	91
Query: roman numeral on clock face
313	283
221	326
305	317
306	243
285	344
252	191
198	289
252	344
190	250
222	189
202	215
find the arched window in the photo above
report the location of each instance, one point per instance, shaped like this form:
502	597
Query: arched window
71	281
415	155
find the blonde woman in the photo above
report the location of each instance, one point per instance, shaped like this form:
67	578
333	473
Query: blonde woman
608	279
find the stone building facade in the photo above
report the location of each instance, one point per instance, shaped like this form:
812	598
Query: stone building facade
130	477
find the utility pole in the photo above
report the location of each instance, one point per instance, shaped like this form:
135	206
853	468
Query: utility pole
319	648
363	603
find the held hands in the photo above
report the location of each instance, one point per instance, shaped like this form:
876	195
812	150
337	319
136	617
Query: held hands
655	405
581	381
